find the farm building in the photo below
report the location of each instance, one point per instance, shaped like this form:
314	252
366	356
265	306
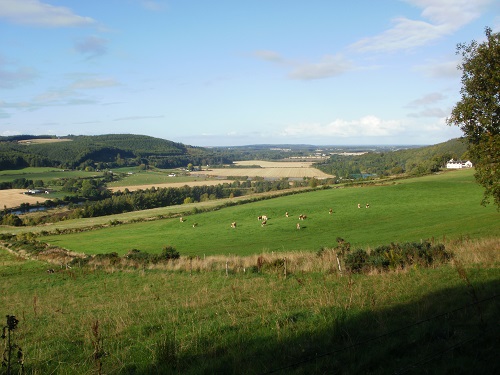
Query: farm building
458	164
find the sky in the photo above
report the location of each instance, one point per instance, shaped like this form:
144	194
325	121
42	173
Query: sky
237	72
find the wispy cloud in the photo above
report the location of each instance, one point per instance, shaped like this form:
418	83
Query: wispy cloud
441	17
328	66
153	5
137	118
431	98
12	76
368	126
92	46
37	13
94	83
440	69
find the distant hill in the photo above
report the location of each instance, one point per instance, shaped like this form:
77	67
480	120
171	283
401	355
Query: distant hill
23	151
419	160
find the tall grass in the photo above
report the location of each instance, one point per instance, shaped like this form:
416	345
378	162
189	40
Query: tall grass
153	320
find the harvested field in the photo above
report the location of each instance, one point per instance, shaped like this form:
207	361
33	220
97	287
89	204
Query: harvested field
14	198
44	140
170	184
268	169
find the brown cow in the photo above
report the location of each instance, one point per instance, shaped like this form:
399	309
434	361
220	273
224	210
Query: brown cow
264	222
233	224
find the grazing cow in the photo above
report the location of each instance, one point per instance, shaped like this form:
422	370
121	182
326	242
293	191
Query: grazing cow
181	219
298	225
368	205
259	217
233	224
359	205
264	222
264	217
195	225
331	211
302	217
286	214
50	270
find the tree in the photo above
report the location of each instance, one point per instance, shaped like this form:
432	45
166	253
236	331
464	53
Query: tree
478	112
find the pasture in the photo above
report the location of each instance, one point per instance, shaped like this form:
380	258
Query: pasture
444	206
44	174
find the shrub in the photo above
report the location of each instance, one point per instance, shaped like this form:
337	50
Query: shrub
356	261
168	253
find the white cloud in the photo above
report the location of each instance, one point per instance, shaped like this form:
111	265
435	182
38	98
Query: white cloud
37	13
430	112
445	16
269	56
368	126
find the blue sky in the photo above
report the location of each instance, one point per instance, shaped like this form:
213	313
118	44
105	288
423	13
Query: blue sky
237	72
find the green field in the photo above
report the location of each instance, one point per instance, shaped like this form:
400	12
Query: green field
44	174
109	319
149	177
444	206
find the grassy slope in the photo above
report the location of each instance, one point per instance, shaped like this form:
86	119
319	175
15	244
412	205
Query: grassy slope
157	322
439	206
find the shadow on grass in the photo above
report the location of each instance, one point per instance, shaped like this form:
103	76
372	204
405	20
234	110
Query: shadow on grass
452	331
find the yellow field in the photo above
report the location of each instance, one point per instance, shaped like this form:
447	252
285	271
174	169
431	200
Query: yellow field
170	184
269	169
14	197
44	140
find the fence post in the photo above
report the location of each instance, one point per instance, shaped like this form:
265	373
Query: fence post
284	259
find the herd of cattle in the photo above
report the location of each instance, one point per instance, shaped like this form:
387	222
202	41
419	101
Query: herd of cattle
263	218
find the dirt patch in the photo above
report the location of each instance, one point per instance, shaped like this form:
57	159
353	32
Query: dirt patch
11	198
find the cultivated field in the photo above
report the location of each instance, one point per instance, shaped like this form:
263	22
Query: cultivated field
169	185
268	170
14	198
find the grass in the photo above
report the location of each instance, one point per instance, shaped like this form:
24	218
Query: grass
43	173
444	206
153	321
150	177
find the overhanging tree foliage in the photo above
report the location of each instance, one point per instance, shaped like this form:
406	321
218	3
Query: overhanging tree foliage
478	112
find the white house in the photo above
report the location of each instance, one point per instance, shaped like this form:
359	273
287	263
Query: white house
458	164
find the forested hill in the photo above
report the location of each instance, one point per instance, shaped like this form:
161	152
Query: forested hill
414	161
90	151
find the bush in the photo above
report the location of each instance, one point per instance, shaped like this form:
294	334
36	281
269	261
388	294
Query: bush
168	253
356	261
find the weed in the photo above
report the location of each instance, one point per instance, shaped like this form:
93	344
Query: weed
8	354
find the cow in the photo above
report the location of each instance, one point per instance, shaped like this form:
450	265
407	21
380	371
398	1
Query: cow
302	217
286	214
331	211
233	224
368	205
264	222
195	225
181	219
359	205
298	225
259	217
264	217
